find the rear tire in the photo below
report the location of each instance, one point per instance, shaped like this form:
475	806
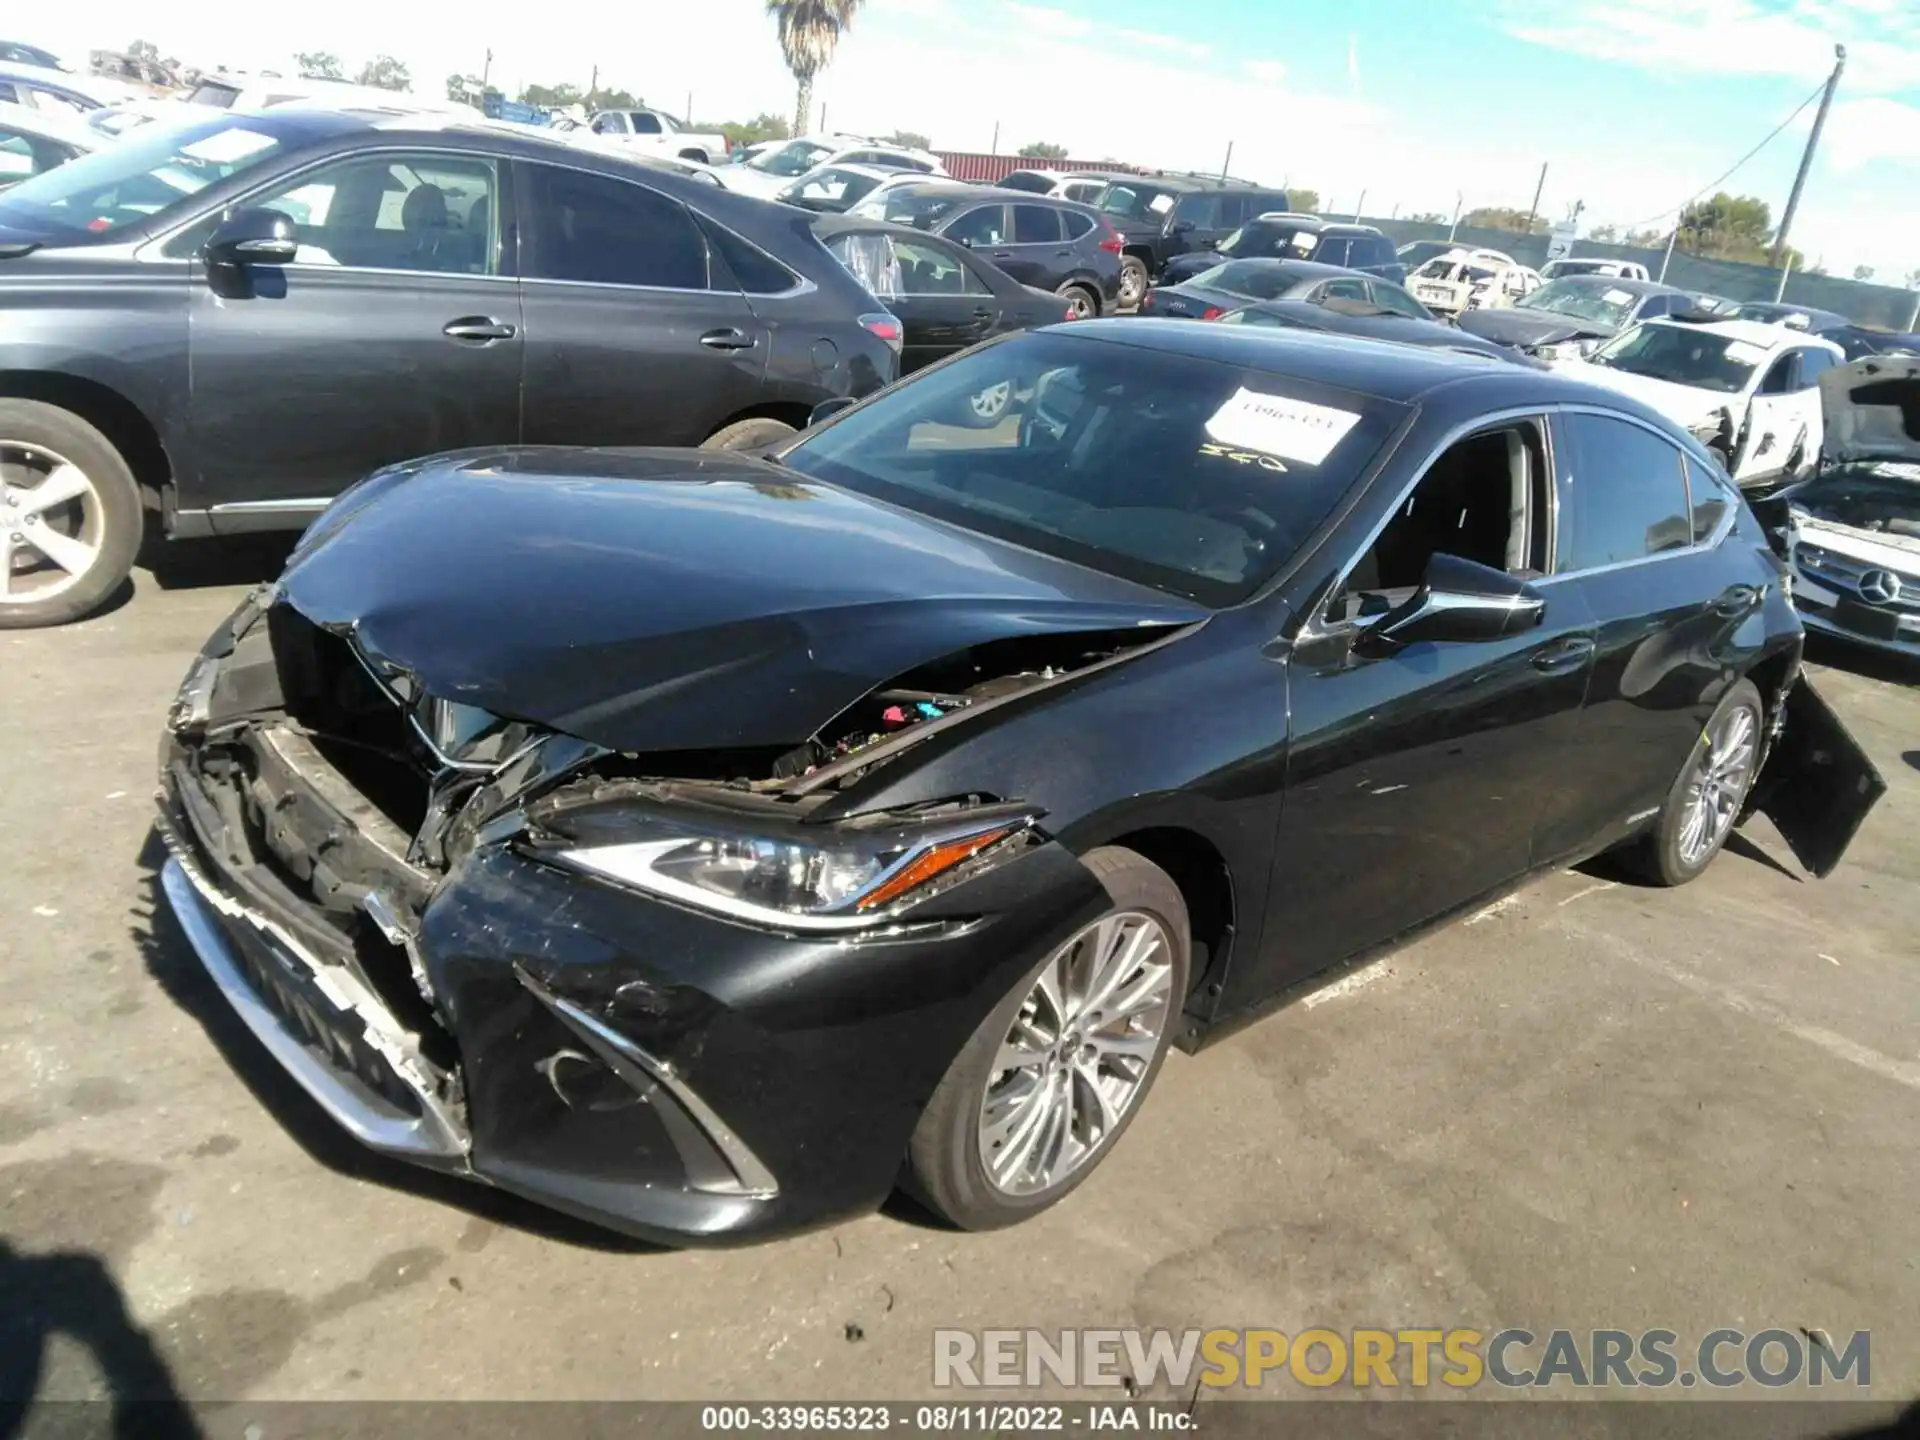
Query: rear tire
90	537
1133	281
1708	795
748	434
1085	304
1075	1108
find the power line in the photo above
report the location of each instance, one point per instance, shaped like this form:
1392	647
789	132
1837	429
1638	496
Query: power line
1772	135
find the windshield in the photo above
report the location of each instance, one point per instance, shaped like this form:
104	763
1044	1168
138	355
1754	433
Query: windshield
126	184
1683	355
1137	202
1193	476
1607	305
1882	498
1251	279
796	157
918	208
1264	238
830	188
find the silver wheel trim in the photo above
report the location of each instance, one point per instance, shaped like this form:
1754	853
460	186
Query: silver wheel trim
51	523
1078	302
1077	1055
1718	785
1133	283
991	402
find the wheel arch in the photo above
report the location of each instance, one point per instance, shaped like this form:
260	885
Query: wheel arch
124	424
1200	871
788	412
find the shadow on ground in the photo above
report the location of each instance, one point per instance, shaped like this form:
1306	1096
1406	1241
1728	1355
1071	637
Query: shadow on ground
1878	665
171	961
235	560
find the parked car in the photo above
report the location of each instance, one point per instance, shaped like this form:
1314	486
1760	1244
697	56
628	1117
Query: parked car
1050	244
251	92
59	91
742	875
1616	269
1570	317
773	169
944	295
227	323
32	141
1295	237
1852	530
1230	284
12	52
1389	314
1749	391
1084	187
113	121
657	133
1034	182
1163	216
1463	280
835	189
1416	253
1855	341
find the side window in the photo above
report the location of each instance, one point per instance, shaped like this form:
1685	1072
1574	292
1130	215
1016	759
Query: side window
1392	297
1711	499
982	225
1482	499
1344	290
645	124
610	123
1779	377
751	268
1332	252
1035	225
1077	224
1200	211
929	270
426	212
1374	250
8	93
1628	494
1232	212
579	226
1812	363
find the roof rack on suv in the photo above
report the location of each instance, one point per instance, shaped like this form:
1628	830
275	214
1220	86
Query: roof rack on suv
1205	177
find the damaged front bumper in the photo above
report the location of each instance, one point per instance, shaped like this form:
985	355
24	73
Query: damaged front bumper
650	1067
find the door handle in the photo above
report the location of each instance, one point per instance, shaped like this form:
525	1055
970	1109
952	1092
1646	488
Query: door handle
1567	654
983	314
1003	254
482	328
726	340
1737	599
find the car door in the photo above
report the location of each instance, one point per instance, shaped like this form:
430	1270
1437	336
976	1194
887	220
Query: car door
1813	361
1416	779
1638	543
395	332
984	228
1038	254
1776	418
633	336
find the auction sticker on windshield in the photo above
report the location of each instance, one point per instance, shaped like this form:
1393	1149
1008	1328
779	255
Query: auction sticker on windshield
1292	429
1618	297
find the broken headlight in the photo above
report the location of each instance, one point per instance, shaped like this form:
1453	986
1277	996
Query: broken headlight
831	879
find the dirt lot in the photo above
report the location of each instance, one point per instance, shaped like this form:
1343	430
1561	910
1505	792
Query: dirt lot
1590	1105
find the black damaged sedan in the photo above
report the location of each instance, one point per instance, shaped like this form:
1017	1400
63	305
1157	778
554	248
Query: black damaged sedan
706	844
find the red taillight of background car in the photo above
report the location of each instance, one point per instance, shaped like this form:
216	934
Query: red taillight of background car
1072	314
1110	241
1212	312
1146	300
886	327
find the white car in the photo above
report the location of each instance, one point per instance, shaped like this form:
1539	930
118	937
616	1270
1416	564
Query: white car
251	92
32	141
655	132
1612	269
835	189
1465	279
1749	391
773	169
113	121
1853	530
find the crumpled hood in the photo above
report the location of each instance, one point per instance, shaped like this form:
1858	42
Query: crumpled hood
671	599
1517	325
1682	403
1872	409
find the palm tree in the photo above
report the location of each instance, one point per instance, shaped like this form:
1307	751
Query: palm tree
809	30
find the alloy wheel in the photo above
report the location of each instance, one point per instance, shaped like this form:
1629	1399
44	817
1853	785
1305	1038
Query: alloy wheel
1718	786
51	523
991	403
1079	305
1078	1054
1133	283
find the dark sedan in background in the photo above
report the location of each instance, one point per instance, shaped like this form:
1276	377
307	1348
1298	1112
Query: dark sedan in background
1051	244
226	323
1232	283
1366	320
890	805
1295	237
1573	316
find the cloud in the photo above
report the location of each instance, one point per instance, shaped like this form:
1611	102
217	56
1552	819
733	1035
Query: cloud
1862	132
1267	72
1678	38
1154	40
1045	20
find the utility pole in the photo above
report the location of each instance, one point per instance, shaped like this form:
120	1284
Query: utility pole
996	139
1360	207
485	71
1667	259
1534	209
1226	164
1806	159
1780	291
593	87
1459	199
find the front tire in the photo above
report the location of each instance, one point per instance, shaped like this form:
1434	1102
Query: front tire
1049	1082
70	516
748	434
1708	796
1083	302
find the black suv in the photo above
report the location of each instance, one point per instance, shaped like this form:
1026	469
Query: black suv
1049	244
1284	236
229	322
1161	215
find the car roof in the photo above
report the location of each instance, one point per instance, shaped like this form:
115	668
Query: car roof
1315	223
51	125
1292	269
1386	369
1753	332
1779	311
1618	282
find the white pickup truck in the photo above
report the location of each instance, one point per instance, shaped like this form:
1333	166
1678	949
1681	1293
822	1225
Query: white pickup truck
658	133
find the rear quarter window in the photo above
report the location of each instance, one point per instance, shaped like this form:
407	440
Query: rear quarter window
1628	494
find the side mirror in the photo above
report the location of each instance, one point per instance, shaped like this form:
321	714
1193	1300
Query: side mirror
1459	601
1180	227
254	237
827	409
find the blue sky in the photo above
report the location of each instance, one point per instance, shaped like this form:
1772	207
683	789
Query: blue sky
1634	104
